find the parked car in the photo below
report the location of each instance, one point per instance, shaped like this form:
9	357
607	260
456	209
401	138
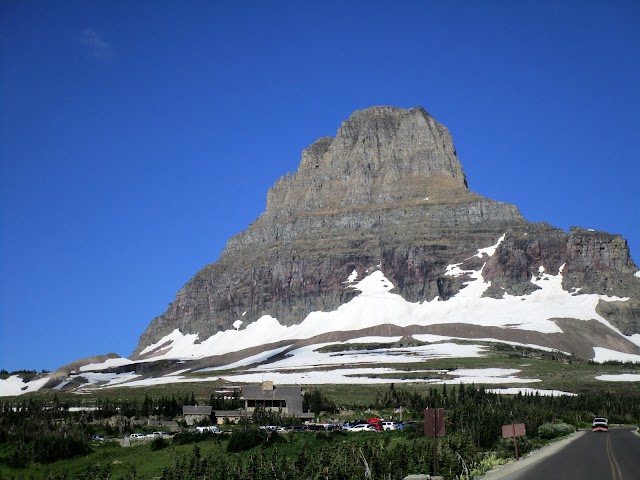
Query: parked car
98	438
137	436
389	426
208	428
600	424
362	427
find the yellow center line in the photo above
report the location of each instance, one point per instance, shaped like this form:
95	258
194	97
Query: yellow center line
616	473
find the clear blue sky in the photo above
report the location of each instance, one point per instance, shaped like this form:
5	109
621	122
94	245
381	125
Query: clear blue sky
138	136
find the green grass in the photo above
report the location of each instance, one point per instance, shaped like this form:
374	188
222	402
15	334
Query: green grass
147	463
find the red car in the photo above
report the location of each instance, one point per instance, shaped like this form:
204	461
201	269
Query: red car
375	423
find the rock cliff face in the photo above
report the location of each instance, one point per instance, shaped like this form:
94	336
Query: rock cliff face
388	192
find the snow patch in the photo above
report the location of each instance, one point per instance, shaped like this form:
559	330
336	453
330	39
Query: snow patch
635	338
176	340
374	340
145	382
109	363
483	372
14	386
621	377
352	278
310	357
61	385
259	358
348	376
488	375
605	355
490	251
105	379
237	324
435	338
530	391
374	285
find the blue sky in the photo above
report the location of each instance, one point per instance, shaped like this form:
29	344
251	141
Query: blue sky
138	137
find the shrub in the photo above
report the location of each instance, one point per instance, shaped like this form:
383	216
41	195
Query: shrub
49	448
506	448
158	443
547	431
246	439
187	438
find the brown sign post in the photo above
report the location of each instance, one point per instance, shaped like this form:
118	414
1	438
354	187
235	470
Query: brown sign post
434	427
512	431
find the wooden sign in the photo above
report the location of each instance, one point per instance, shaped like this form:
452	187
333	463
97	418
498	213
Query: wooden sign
434	422
514	430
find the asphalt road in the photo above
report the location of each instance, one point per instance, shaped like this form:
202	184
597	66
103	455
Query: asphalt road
613	455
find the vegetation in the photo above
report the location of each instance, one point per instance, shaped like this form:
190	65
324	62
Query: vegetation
47	441
549	431
315	401
38	434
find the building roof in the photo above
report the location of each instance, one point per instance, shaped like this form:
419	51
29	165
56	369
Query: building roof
196	410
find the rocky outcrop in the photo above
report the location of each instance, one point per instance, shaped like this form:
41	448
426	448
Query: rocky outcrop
599	262
388	191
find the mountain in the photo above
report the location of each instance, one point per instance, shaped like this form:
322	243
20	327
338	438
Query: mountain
389	194
376	253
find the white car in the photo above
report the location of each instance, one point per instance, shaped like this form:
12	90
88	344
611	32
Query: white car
600	424
209	428
362	427
389	426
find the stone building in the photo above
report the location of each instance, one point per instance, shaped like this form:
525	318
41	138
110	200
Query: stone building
196	413
287	399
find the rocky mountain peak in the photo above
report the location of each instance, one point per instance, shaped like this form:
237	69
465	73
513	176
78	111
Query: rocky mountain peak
380	155
389	194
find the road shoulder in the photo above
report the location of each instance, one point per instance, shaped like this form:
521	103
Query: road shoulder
503	471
